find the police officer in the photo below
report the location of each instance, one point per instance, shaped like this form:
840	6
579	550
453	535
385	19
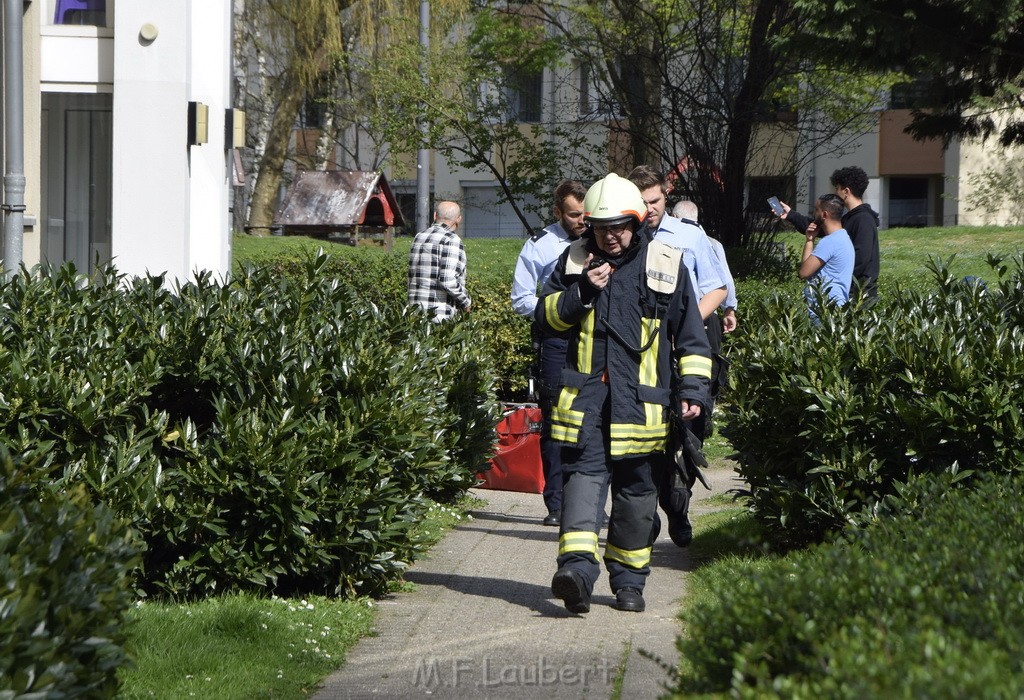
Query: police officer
708	280
533	268
637	351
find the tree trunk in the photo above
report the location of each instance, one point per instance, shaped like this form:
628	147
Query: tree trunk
268	183
325	141
761	64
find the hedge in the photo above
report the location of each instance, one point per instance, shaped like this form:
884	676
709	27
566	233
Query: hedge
265	433
924	605
828	419
65	575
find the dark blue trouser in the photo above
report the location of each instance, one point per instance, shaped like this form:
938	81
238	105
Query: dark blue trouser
588	471
552	359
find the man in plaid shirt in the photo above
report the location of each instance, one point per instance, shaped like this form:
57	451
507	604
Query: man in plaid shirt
437	265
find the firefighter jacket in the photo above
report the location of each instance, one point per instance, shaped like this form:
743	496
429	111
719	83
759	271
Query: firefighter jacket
642	335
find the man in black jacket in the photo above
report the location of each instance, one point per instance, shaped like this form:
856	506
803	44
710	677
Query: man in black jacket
860	222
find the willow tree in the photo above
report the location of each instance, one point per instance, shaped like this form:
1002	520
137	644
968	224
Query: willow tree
292	45
315	53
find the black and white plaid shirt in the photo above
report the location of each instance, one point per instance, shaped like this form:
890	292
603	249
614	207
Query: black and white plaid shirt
437	272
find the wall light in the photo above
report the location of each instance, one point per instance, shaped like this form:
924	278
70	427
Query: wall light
198	123
234	128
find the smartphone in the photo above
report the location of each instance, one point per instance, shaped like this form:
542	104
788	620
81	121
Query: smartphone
776	206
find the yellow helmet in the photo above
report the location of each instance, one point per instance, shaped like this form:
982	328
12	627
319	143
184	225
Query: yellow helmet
613	200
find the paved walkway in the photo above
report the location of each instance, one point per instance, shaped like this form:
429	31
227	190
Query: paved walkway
482	622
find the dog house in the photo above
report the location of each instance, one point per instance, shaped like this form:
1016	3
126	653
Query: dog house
347	206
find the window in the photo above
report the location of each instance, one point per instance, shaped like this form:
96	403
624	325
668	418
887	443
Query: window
313	113
522	92
92	13
759	189
917	94
595	96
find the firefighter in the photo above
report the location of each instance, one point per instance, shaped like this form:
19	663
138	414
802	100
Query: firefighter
637	351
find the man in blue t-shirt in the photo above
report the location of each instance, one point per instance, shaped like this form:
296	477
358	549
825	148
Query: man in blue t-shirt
830	263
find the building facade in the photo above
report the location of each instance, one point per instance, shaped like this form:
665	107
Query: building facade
128	134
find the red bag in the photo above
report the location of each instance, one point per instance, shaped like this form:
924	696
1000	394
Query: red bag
516	466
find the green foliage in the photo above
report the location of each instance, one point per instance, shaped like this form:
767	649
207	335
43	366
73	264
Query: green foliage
275	432
380	277
828	419
965	55
472	109
927	605
64	588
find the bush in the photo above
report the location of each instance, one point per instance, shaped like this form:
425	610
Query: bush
272	432
64	589
927	605
379	277
828	419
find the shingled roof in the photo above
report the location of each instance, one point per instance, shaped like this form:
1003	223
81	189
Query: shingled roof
326	201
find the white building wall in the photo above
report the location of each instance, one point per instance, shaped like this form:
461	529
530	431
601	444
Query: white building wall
974	159
170	200
209	73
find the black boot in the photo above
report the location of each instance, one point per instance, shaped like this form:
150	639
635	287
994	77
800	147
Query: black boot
630	600
569	586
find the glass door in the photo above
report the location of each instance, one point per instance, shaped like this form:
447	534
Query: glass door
78	144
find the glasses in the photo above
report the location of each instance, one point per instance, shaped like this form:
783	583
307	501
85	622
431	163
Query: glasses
617	230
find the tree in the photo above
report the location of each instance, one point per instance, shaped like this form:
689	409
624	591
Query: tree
474	106
291	45
968	53
709	88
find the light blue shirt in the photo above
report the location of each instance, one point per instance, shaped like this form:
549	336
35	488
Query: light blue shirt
705	271
730	285
535	264
836	251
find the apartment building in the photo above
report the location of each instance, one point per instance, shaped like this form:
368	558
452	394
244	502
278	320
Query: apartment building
912	183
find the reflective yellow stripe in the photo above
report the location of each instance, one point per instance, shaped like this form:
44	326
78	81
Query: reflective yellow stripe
551	312
633	558
565	422
649	359
695	365
631	439
565	434
585	349
630	430
579	541
624	448
648	375
562	412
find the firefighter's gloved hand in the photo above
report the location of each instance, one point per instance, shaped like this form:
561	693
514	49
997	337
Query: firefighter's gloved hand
679	494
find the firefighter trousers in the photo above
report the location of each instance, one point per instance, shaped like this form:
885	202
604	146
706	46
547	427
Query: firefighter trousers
552	359
587	472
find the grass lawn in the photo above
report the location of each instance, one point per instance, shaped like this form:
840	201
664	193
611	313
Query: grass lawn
244	646
904	251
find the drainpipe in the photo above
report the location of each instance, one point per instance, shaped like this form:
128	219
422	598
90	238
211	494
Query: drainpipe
423	154
14	131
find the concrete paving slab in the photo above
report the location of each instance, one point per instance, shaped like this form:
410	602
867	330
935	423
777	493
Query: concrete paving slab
482	622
